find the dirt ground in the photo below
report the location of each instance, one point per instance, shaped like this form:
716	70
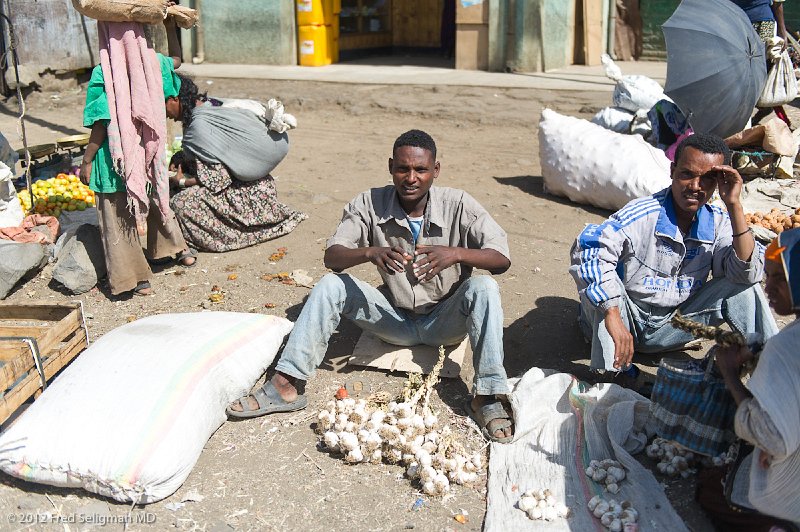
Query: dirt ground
267	474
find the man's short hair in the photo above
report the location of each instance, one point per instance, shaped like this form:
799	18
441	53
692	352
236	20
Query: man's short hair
416	139
706	143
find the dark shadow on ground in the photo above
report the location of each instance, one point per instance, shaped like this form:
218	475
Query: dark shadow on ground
534	185
547	337
39	122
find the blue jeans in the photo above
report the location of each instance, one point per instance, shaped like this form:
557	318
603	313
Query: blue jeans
474	309
743	307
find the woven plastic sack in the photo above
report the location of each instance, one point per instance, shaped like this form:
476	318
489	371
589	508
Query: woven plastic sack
592	165
781	87
632	92
11	214
691	405
145	11
130	416
614	119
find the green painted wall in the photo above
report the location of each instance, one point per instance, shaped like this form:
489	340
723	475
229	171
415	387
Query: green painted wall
257	32
542	38
556	38
656	12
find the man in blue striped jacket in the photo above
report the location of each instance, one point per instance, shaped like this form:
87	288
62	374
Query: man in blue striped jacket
654	256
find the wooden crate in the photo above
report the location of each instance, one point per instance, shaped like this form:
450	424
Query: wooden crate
59	333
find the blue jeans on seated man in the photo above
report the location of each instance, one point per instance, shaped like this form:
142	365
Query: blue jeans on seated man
474	309
743	307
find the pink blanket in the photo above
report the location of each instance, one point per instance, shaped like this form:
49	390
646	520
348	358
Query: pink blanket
138	128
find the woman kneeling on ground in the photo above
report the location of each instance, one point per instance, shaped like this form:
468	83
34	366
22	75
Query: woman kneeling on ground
765	486
216	210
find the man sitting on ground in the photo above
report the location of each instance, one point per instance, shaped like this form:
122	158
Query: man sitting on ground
425	241
653	257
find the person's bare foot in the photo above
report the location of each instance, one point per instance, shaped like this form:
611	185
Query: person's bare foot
187	258
283	384
143	288
496	427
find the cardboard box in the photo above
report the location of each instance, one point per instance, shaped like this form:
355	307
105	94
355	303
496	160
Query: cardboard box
472	47
476	12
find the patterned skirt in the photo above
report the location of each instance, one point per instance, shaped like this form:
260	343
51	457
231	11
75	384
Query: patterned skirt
223	213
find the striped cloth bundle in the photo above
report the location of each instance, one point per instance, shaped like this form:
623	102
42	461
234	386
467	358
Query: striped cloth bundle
691	405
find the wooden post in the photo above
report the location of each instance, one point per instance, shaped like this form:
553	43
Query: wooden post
592	31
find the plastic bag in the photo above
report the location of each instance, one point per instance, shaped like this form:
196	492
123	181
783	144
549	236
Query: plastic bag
781	84
632	92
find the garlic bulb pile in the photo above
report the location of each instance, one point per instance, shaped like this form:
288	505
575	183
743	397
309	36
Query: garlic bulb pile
673	459
405	432
609	473
723	459
541	505
615	516
404	435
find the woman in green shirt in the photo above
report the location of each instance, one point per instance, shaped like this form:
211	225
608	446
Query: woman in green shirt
126	262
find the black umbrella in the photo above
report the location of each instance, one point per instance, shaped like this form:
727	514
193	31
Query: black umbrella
716	67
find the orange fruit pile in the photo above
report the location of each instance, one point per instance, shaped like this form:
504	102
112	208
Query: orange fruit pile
774	220
56	195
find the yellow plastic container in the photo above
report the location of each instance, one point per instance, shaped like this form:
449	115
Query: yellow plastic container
315	45
333	43
316	12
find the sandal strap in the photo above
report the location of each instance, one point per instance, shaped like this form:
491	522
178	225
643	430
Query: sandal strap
491	411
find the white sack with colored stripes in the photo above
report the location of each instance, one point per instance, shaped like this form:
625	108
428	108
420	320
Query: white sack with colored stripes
130	416
592	165
561	425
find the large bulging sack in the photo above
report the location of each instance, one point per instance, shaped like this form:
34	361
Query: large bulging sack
592	165
144	11
781	87
130	416
237	138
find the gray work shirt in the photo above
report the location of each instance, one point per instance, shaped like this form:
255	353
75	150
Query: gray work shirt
452	218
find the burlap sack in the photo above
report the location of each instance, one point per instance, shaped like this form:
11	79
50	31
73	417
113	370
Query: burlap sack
146	11
184	17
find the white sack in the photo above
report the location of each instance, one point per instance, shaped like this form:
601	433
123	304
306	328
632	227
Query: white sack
560	425
273	113
591	165
781	87
632	92
11	214
130	416
614	118
8	156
